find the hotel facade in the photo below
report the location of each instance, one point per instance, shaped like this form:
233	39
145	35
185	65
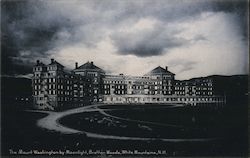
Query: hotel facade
55	88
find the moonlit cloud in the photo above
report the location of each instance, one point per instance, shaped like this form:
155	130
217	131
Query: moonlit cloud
193	38
147	38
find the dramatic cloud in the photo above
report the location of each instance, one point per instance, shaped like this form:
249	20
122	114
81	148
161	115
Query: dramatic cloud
193	37
147	38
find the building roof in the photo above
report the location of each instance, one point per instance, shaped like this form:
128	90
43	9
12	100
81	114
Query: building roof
159	70
40	64
54	62
89	65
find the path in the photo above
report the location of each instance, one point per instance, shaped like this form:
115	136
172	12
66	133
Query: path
51	122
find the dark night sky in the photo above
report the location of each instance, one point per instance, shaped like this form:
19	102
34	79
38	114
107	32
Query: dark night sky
193	37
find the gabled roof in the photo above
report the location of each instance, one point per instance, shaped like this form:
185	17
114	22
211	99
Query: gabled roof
159	70
56	63
40	64
88	65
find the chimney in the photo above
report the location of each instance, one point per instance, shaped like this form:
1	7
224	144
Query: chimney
37	62
52	60
166	68
76	65
91	63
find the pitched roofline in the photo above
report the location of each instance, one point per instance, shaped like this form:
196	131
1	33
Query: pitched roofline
159	67
94	67
56	63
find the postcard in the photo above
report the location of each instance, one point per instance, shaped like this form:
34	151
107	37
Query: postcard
128	78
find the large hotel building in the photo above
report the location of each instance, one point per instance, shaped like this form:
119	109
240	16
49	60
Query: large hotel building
55	88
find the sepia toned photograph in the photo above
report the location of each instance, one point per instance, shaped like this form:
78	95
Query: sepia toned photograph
124	78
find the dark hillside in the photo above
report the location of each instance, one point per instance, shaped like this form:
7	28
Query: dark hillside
16	91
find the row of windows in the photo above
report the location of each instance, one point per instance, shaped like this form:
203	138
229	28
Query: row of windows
115	92
197	88
64	93
146	92
92	74
53	86
203	88
37	75
37	68
37	87
118	82
45	80
51	74
133	82
204	93
64	98
177	92
137	87
167	77
166	92
53	92
62	86
51	68
159	99
49	80
166	87
115	86
138	91
194	83
80	95
197	93
50	92
179	88
45	74
48	68
39	98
